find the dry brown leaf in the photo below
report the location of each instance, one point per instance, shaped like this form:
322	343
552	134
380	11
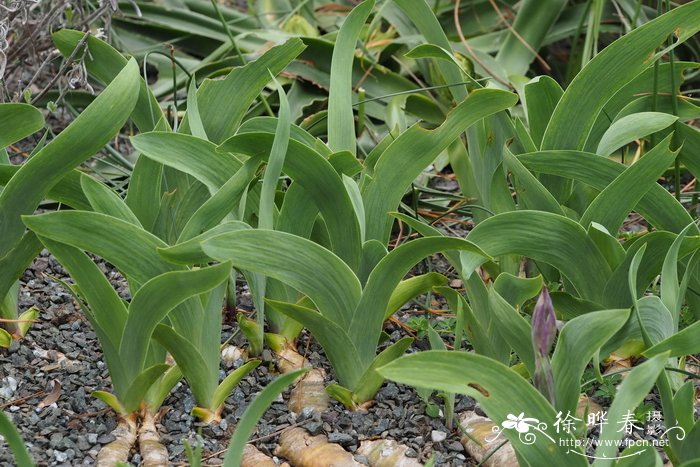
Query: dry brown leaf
52	396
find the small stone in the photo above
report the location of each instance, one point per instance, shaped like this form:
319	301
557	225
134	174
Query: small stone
455	446
362	459
92	438
343	439
315	428
60	456
410	452
438	436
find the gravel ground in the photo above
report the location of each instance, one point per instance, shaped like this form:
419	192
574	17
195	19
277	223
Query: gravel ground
61	348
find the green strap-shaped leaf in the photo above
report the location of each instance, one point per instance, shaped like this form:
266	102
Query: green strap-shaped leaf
542	94
230	382
389	184
106	307
514	329
320	180
301	263
370	382
86	135
13	264
657	244
578	342
500	392
66	191
632	127
194	367
105	63
254	412
531	193
671	293
334	339
684	342
366	323
190	251
629	395
18	121
141	384
220	205
106	201
341	123
131	249
14	441
188	154
658	206
223	103
411	288
547	237
517	290
619	63
611	207
152	303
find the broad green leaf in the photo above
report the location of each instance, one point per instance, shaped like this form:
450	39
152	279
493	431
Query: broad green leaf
106	63
336	343
619	63
684	342
532	22
341	122
190	361
106	201
579	340
231	381
152	303
631	128
14	441
188	154
614	203
517	290
319	179
552	239
657	246
13	264
422	16
18	121
411	288
66	191
254	412
513	328
107	237
219	206
106	312
367	317
190	251
388	186
193	116
500	392
140	385
658	206
531	193
371	381
86	135
671	293
223	103
629	395
608	245
542	94
5	338
298	262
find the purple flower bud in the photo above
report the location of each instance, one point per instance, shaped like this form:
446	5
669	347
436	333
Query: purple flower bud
544	324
